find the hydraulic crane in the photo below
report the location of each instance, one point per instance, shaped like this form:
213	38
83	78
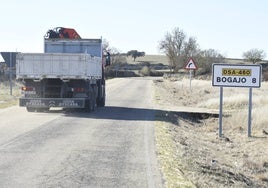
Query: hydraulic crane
62	32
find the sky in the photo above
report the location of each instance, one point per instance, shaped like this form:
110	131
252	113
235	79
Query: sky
229	26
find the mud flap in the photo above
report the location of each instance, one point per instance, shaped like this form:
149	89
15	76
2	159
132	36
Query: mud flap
55	102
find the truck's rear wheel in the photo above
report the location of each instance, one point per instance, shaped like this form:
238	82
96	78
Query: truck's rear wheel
90	106
91	103
101	100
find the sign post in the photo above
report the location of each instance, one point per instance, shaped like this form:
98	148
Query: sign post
249	111
229	75
220	115
10	74
190	65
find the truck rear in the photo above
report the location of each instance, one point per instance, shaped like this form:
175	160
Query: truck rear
70	74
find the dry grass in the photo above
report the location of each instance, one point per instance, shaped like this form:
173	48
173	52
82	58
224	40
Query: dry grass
203	158
174	177
6	99
153	59
235	101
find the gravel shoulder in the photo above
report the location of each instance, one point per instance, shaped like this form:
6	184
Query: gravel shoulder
189	149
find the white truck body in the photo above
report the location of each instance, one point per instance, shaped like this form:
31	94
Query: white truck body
90	46
69	74
58	65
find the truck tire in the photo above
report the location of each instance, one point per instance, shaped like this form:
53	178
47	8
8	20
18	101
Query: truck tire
90	106
94	97
91	103
101	100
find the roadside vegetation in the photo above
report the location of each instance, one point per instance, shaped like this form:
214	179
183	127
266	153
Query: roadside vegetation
189	145
189	149
7	100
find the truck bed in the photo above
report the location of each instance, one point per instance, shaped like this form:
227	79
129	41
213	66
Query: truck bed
89	46
58	65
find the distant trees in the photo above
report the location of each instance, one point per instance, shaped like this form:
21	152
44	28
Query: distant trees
135	53
105	45
206	58
171	45
254	55
178	48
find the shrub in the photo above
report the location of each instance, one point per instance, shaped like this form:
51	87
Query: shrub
156	73
145	71
265	75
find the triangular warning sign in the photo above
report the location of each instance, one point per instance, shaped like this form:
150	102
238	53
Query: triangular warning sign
191	65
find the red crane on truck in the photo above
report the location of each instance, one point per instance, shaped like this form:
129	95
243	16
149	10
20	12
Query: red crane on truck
63	33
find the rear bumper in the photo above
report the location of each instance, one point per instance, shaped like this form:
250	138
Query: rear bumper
52	102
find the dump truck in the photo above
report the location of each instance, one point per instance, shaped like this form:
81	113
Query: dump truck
69	74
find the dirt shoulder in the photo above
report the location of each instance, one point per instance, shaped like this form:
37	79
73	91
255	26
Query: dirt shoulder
190	151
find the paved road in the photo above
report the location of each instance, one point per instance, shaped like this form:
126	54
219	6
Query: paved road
111	147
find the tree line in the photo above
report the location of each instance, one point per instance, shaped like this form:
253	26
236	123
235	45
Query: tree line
178	48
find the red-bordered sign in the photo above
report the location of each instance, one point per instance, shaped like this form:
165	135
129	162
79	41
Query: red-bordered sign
191	65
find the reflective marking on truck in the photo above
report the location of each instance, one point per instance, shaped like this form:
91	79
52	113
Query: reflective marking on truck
35	102
68	103
28	92
45	102
51	103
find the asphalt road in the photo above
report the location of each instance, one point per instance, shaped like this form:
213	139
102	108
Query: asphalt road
110	147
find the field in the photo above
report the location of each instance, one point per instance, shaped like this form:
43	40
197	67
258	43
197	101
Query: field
152	59
190	150
155	59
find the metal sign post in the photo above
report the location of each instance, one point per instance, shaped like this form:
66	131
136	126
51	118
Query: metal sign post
249	111
10	73
229	75
220	115
190	72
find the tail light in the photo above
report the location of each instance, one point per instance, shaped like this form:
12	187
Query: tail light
28	90
25	88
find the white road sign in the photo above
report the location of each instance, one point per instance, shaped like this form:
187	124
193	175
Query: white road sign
190	65
230	75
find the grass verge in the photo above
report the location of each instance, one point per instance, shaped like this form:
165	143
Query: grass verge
189	149
170	162
7	100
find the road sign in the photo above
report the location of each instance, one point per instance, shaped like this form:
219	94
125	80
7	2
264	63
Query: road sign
191	65
229	75
10	58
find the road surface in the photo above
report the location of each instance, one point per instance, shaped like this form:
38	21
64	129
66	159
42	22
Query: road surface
110	147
